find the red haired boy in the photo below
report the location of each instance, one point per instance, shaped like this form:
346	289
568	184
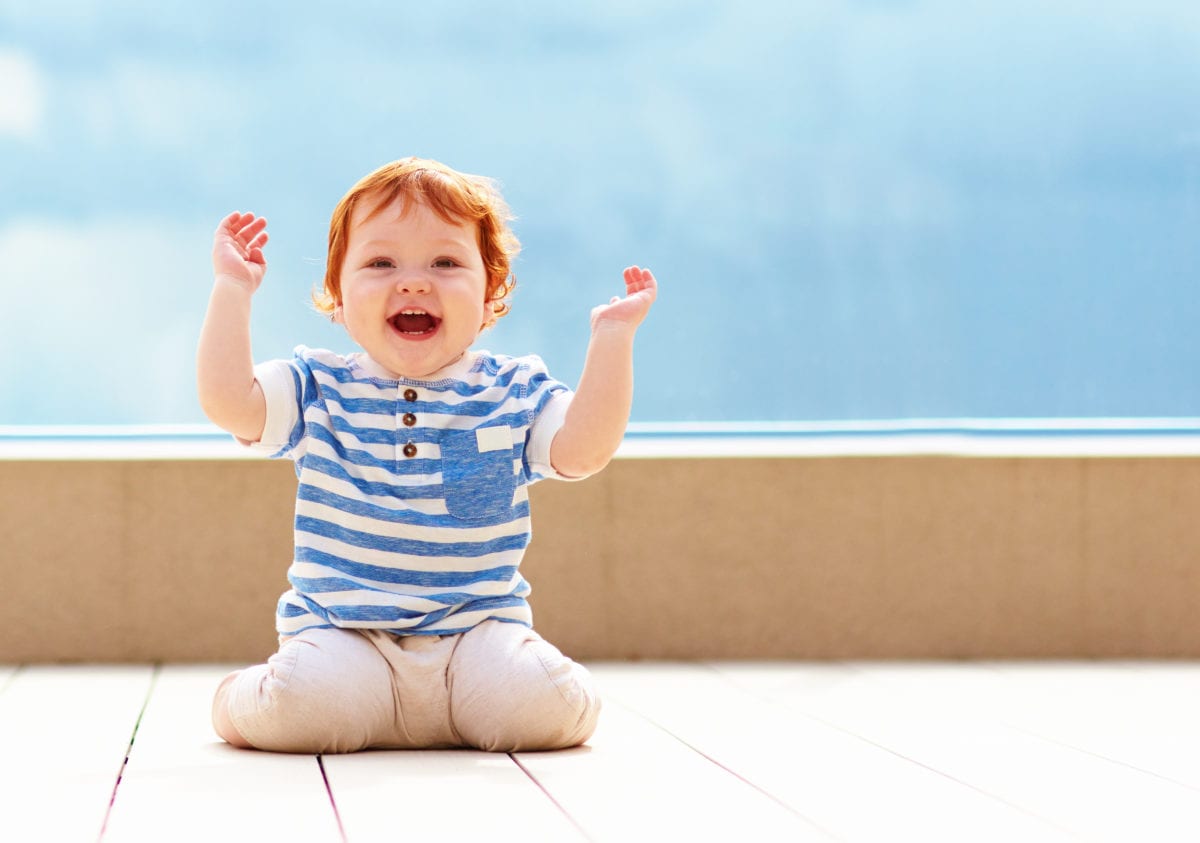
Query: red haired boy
407	624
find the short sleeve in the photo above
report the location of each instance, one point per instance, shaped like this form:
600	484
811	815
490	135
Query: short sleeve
280	382
549	399
545	427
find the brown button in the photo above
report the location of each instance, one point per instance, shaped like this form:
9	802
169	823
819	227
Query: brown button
410	395
409	420
410	450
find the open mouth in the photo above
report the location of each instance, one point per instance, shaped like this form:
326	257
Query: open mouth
414	322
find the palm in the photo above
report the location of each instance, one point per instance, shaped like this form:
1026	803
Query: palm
640	291
237	249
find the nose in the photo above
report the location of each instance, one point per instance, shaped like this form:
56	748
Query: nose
411	283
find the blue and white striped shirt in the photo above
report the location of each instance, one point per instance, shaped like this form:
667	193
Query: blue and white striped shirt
412	512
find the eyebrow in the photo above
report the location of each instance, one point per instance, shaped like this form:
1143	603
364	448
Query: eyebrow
441	242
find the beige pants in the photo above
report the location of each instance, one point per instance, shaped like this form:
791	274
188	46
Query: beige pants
499	687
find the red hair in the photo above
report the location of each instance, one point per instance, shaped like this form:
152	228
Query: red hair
455	197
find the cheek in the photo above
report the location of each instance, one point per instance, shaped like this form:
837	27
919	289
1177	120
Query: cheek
349	307
352	295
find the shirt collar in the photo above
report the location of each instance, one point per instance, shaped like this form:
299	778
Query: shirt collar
454	371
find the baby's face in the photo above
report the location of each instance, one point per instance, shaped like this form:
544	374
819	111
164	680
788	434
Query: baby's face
413	287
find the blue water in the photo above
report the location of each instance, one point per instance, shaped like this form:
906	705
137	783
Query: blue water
856	210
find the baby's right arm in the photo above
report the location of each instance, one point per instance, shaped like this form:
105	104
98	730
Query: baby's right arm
229	394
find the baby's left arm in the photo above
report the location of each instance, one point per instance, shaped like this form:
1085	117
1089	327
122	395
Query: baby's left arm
599	412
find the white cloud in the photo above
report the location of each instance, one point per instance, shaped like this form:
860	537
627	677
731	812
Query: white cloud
105	313
22	96
156	105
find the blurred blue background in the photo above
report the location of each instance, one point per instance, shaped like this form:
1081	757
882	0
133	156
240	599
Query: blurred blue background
857	210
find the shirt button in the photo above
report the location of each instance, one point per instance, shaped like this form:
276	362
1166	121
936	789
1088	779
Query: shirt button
410	395
409	420
410	450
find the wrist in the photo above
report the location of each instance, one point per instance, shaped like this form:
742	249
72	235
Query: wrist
615	328
225	280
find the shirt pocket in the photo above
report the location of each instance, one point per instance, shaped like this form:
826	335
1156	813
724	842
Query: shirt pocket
478	477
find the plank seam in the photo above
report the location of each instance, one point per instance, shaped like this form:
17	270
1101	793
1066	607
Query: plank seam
798	709
129	750
1101	757
789	808
767	700
550	796
332	801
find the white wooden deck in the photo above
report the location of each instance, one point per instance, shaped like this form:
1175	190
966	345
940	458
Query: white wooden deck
730	752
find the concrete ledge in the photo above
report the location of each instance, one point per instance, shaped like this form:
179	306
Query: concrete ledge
868	556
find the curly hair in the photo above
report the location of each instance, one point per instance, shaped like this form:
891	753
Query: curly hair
456	197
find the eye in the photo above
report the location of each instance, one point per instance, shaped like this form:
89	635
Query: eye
445	263
381	263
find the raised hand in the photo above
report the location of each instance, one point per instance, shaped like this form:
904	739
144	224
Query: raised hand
640	291
237	249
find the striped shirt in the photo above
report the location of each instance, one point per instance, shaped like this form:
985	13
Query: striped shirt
412	511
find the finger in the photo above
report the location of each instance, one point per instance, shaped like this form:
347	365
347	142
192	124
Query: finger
633	280
234	224
646	291
228	225
637	279
251	228
648	280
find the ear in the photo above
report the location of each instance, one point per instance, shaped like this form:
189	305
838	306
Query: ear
490	316
337	316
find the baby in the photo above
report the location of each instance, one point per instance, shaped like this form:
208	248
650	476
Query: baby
406	624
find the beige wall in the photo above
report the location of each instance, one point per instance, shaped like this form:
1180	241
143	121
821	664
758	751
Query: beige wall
801	557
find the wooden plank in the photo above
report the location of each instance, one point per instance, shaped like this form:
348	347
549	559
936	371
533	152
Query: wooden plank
441	794
865	751
794	678
952	718
635	781
851	787
65	731
1140	714
183	783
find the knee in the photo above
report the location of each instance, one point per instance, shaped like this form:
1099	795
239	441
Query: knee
562	712
301	700
535	699
221	718
274	706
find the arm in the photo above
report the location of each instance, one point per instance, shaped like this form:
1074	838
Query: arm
599	412
229	394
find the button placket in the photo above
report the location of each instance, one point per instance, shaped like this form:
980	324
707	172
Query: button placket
409	419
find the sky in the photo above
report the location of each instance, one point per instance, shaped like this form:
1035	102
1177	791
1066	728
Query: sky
856	210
